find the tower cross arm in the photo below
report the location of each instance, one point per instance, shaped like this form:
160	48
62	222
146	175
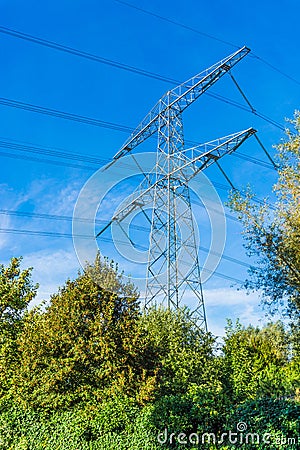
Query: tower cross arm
186	93
196	159
179	98
202	156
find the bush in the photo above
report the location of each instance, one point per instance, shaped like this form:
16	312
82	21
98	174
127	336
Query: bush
277	417
111	425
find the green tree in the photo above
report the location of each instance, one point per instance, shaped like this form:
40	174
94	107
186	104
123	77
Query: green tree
256	361
184	353
190	395
273	236
85	347
276	419
16	292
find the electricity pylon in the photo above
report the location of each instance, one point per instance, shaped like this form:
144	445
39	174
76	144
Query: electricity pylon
173	269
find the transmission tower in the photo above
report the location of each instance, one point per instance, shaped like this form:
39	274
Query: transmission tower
173	270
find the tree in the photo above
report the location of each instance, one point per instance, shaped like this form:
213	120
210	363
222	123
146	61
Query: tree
190	395
16	292
275	419
273	236
184	353
256	361
85	347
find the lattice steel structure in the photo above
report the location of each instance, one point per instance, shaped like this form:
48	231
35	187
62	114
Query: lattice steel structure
173	269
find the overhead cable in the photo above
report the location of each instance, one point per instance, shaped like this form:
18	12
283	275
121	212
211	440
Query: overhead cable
210	36
82	236
102	60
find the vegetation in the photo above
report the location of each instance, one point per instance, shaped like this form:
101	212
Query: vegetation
272	235
92	371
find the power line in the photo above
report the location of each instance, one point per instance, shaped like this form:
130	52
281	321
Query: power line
209	36
228	258
179	24
56	152
15	145
63	115
253	160
102	60
82	236
77	166
275	68
101	222
82	54
47	161
110	125
43	233
58	217
101	123
53	152
253	110
63	154
43	150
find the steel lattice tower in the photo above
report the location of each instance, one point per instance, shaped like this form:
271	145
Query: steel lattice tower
173	269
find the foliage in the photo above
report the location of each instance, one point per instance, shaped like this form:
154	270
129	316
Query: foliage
190	397
184	353
276	419
92	371
121	423
106	274
86	347
273	236
107	426
16	292
257	361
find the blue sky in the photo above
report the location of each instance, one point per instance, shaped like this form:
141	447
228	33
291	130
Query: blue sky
49	78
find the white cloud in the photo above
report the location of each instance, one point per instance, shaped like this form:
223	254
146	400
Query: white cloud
229	297
50	270
229	303
4	237
226	303
64	200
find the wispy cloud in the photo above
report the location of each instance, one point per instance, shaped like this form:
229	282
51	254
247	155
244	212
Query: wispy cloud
51	270
229	297
229	303
4	223
58	198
